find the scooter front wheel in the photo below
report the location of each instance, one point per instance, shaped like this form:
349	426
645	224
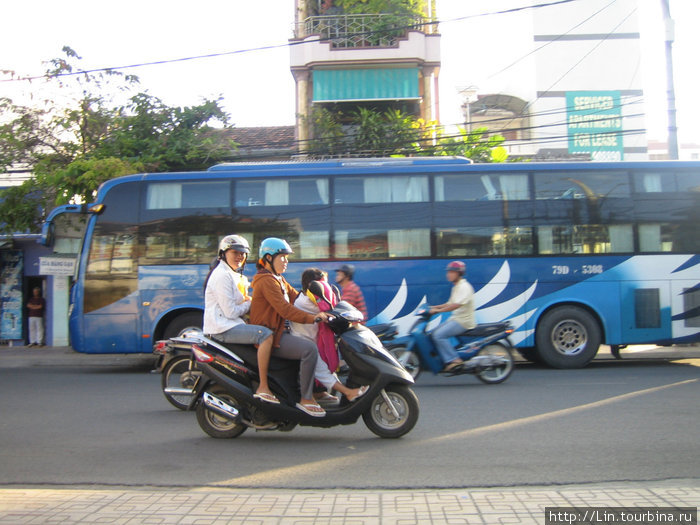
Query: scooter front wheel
408	359
214	424
393	412
500	371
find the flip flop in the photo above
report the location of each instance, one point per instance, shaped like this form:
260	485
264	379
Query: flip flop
268	398
312	409
452	366
363	390
326	399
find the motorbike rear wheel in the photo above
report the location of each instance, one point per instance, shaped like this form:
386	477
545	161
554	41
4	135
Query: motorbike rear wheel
178	373
408	359
215	425
380	417
500	373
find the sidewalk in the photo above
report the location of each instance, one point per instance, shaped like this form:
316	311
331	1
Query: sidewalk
211	505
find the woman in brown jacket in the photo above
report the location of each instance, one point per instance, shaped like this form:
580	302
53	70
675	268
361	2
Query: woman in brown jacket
273	304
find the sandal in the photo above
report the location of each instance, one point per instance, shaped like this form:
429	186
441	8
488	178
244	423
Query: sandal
362	391
452	366
324	398
268	398
312	409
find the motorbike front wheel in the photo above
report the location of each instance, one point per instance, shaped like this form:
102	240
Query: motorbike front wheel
393	412
500	372
408	359
179	373
216	425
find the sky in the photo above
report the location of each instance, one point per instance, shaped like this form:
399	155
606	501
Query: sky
257	87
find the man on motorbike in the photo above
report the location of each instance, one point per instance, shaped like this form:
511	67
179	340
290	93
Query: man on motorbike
226	301
461	304
273	305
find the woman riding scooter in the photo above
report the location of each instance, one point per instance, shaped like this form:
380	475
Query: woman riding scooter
272	305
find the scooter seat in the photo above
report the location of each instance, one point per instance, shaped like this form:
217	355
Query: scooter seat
485	329
249	354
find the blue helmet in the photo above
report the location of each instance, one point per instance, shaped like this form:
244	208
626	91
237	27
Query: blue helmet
273	246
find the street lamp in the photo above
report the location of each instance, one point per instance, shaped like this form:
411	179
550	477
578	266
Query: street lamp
469	95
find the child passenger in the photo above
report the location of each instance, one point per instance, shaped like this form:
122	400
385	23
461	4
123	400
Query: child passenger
322	335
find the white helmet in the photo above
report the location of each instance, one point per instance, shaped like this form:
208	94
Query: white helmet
233	242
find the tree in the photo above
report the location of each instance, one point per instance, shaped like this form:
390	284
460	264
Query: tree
83	138
369	132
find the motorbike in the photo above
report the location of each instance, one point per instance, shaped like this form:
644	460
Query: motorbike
222	394
178	368
485	349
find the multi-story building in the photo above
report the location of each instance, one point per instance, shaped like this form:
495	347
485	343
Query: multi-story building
589	97
344	61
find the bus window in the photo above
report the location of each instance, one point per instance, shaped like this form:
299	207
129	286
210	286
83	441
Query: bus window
378	243
688	182
281	192
581	185
462	187
654	183
475	241
358	190
176	195
585	239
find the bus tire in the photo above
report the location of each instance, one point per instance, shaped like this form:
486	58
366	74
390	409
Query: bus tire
567	337
182	323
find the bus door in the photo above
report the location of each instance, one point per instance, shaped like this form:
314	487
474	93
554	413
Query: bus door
110	294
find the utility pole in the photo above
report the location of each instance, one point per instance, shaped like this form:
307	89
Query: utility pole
670	91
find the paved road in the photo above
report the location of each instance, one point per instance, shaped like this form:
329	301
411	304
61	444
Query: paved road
83	423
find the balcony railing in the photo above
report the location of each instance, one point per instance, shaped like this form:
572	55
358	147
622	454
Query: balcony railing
348	31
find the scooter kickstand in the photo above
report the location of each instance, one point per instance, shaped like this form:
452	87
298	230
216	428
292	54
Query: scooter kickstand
390	404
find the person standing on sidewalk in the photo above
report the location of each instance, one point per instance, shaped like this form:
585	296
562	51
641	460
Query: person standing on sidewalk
350	291
36	306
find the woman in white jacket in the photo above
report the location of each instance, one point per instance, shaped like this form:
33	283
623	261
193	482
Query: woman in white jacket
226	301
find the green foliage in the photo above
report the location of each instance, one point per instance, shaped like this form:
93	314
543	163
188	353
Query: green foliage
395	7
74	146
476	145
395	133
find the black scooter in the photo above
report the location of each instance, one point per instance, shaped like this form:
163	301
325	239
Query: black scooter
228	377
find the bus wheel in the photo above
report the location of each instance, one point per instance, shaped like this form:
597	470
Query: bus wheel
567	337
182	323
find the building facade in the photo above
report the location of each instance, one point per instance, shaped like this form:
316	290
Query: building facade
344	61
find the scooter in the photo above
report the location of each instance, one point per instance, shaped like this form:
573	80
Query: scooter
223	394
485	350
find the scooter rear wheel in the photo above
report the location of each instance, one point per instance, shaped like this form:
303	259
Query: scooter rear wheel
380	417
218	426
179	373
497	374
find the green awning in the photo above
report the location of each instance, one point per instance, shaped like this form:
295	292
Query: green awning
338	85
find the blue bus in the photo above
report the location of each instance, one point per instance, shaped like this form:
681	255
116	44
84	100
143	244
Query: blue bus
575	255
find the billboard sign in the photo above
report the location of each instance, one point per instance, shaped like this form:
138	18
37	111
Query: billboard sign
594	124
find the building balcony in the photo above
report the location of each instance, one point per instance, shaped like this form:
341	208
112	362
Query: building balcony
362	30
327	47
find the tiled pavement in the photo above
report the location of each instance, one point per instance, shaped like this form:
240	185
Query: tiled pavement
215	505
209	505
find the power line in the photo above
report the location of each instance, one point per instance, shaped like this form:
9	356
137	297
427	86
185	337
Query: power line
278	46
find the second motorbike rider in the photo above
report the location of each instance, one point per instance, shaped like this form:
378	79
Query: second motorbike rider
272	306
461	304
